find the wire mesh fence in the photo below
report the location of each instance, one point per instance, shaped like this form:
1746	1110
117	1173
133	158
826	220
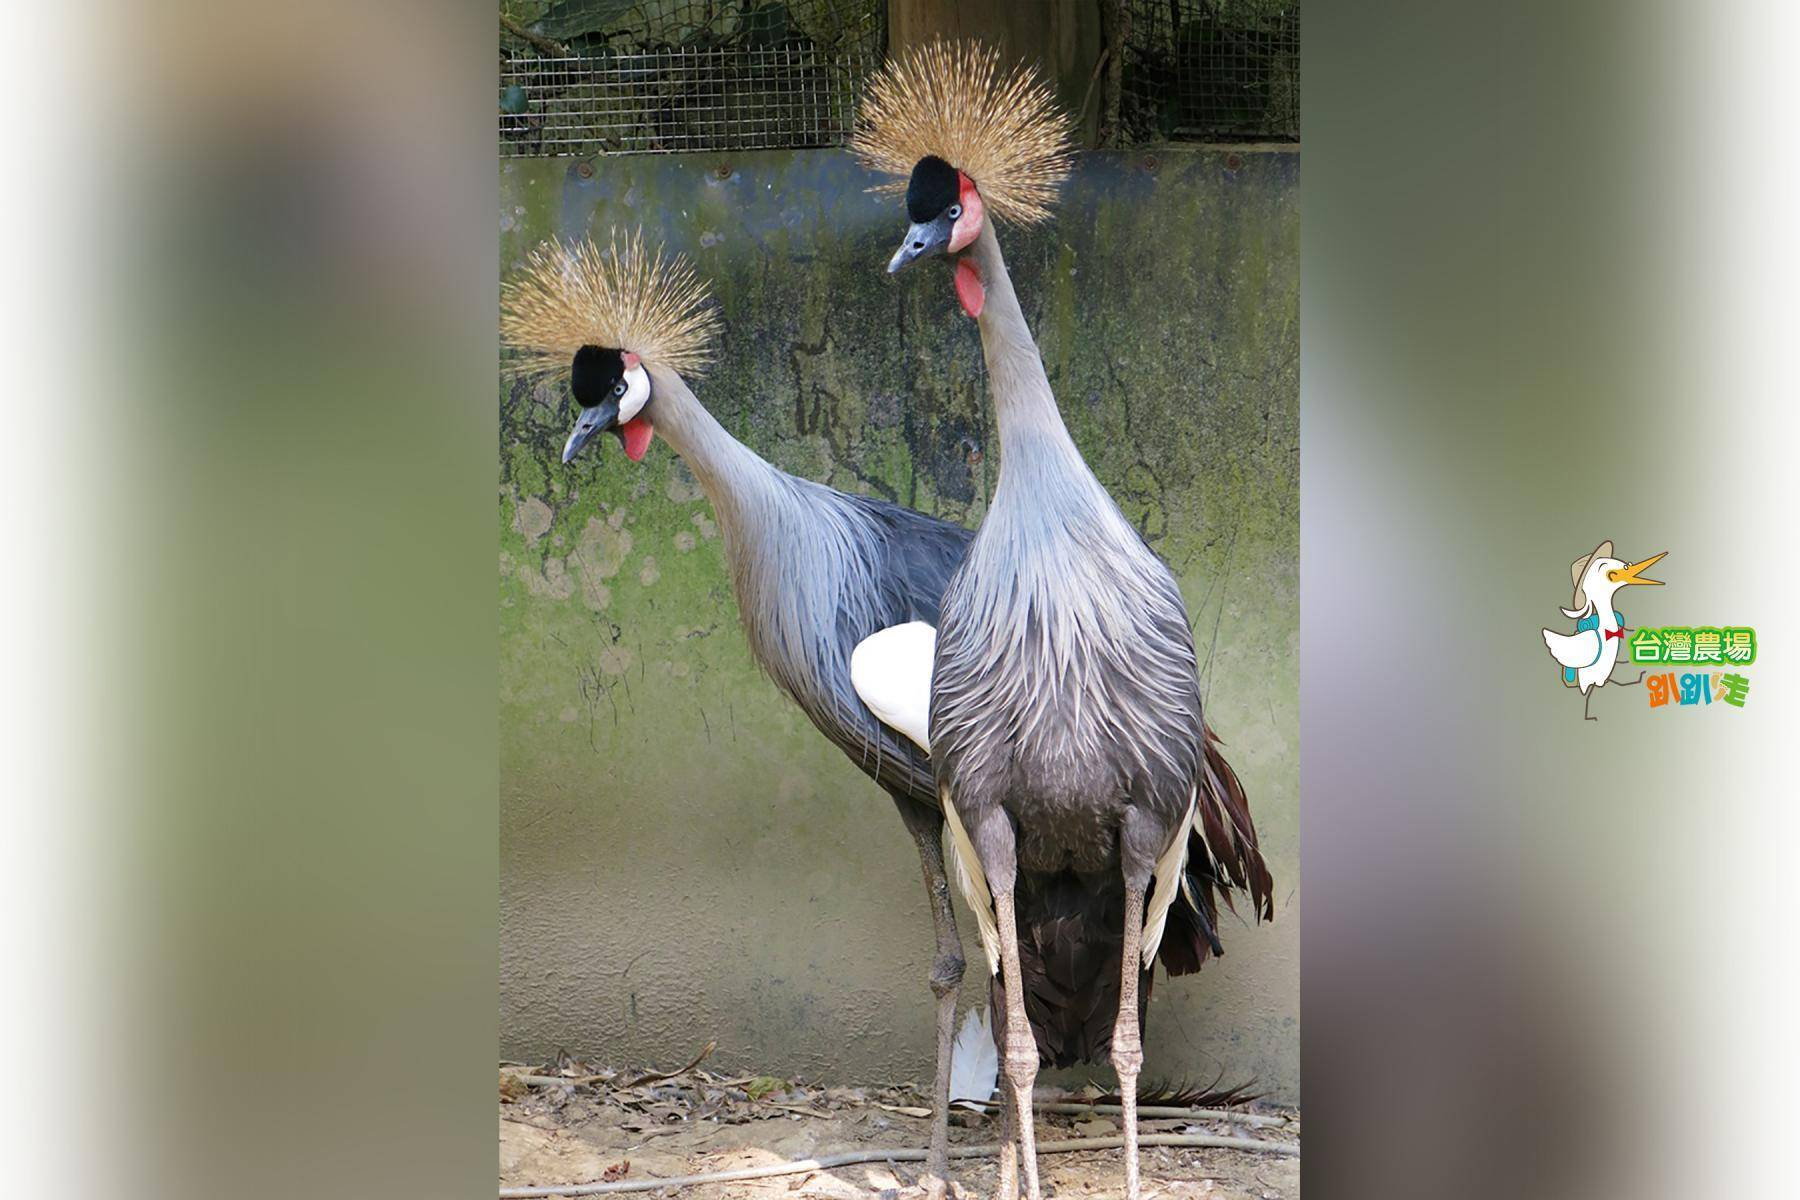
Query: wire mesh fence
580	77
1226	70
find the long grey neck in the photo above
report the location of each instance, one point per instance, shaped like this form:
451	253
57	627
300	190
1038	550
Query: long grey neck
786	546
1033	438
739	483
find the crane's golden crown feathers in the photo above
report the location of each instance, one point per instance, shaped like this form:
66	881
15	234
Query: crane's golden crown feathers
1000	126
621	297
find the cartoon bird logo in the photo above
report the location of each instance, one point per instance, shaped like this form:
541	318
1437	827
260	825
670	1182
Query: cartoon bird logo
1589	655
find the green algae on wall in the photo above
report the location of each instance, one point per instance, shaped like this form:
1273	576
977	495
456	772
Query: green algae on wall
683	857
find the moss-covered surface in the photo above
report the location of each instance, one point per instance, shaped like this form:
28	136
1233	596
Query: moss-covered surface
683	856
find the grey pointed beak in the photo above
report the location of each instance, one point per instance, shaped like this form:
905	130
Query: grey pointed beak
591	421
925	237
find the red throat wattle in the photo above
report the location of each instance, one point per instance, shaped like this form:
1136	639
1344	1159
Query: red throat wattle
968	287
637	433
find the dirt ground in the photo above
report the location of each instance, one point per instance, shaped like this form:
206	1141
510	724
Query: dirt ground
572	1122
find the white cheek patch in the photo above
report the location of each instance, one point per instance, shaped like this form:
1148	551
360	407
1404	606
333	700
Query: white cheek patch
637	392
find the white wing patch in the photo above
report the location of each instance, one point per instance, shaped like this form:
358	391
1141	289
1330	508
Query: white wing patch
891	672
1170	873
1576	650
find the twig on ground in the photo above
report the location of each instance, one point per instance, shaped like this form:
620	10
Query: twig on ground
556	1080
650	1135
654	1076
1258	1120
802	1109
584	1080
912	1154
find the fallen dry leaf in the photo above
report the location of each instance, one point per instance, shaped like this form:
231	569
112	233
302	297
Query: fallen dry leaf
616	1172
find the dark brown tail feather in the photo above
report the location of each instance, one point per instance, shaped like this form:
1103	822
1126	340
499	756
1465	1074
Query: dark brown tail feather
1223	857
1165	1095
1071	935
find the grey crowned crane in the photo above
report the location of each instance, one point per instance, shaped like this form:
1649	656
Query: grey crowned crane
1064	716
815	570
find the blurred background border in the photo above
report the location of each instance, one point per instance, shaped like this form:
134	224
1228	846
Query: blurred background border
250	728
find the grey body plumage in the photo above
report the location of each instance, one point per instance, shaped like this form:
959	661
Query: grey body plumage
1064	631
832	569
816	571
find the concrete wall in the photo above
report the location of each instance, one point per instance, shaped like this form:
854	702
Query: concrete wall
683	858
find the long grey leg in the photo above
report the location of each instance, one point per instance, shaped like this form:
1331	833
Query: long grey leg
1021	1059
1127	1039
927	827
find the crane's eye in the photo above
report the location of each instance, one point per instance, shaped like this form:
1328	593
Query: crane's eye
953	212
619	388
